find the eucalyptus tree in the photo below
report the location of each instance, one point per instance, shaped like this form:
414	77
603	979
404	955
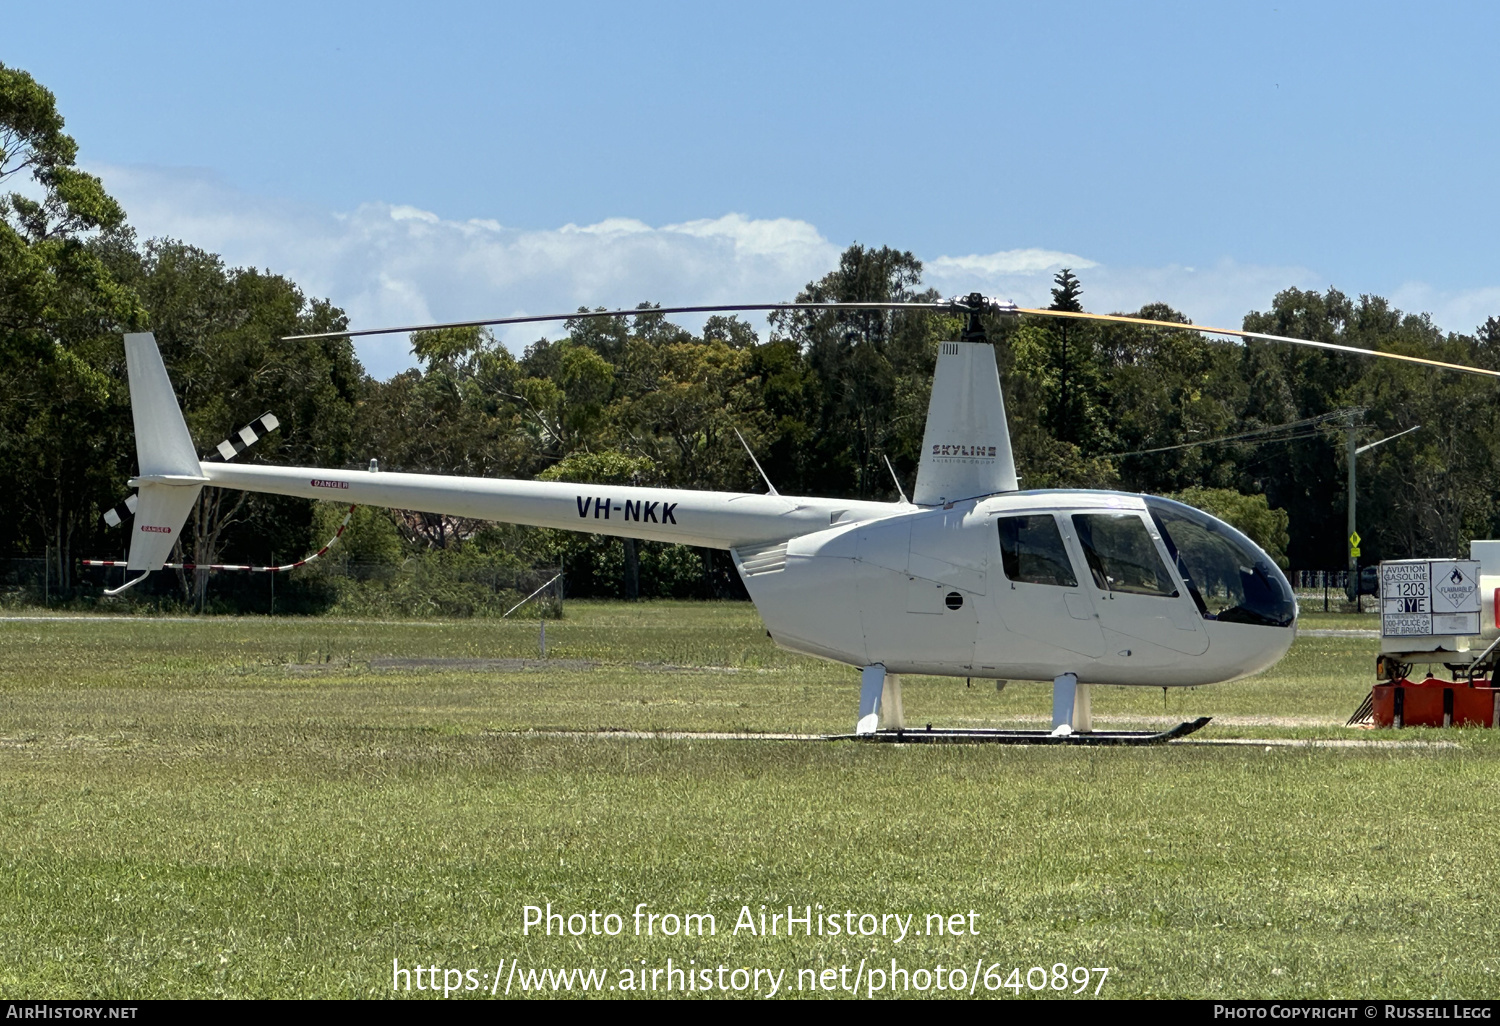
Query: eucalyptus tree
869	370
220	332
61	313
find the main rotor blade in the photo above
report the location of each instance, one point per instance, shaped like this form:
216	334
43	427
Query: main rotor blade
957	306
583	314
1237	333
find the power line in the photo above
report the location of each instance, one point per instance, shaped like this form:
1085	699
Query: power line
1307	422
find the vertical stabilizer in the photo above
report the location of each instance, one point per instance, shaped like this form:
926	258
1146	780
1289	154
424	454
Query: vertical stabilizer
170	474
162	443
966	447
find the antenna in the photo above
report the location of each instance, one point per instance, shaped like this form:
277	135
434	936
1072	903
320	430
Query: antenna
763	476
899	490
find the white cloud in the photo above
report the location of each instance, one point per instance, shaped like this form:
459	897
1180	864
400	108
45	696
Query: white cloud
390	264
1219	295
1461	310
1006	262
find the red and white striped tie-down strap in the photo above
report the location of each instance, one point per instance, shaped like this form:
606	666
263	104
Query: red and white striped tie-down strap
236	566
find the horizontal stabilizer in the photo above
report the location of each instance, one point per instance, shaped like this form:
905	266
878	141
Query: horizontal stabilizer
966	447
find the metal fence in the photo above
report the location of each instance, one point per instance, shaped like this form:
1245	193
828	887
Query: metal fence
35	581
1317	580
1330	589
447	590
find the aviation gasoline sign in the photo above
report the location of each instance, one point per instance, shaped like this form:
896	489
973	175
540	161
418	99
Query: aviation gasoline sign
1429	597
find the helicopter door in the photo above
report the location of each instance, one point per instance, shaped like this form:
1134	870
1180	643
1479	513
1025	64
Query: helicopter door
1133	591
1040	598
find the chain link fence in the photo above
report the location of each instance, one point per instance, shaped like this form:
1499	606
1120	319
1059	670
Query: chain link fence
1329	589
417	587
414	588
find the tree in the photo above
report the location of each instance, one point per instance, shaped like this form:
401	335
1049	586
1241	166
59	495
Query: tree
681	403
561	395
56	289
61	314
1065	292
607	468
871	370
1424	494
219	331
1487	338
456	416
678	402
1163	393
1251	514
1066	288
1031	376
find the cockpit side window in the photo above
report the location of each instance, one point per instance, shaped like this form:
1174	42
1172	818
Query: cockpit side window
1032	552
1122	555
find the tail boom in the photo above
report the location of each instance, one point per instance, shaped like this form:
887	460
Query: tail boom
717	520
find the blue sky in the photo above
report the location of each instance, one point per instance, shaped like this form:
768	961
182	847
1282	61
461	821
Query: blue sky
454	160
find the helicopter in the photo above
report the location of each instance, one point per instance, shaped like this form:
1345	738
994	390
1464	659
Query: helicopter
971	576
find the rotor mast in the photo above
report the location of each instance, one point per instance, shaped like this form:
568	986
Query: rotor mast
974	305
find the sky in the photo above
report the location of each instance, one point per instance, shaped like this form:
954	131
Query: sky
447	161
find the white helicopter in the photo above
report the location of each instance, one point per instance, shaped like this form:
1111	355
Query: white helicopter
970	577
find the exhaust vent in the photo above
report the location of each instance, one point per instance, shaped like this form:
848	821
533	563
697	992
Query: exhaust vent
763	559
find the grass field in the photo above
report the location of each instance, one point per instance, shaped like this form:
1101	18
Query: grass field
280	807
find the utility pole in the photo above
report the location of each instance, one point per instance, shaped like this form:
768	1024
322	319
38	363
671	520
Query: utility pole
1352	588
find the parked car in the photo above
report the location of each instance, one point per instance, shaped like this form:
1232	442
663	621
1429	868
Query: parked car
1369	580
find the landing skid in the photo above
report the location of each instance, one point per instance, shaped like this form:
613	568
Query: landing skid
951	736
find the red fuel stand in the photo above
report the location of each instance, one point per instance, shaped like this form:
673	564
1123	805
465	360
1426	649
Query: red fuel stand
1432	614
1435	703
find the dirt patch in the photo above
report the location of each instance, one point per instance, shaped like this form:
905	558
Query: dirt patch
483	665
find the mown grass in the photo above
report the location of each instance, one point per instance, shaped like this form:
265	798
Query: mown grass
264	807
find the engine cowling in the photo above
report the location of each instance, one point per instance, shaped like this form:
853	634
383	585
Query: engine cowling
898	591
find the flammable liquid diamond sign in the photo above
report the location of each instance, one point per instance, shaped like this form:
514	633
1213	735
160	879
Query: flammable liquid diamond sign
1429	597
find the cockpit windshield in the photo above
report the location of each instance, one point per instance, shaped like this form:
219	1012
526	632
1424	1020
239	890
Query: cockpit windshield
1229	577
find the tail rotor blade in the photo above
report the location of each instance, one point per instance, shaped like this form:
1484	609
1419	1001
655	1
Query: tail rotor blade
245	437
123	510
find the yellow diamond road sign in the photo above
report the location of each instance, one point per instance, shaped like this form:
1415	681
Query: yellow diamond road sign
1354	540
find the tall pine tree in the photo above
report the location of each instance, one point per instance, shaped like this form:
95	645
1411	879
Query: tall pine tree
1065	292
